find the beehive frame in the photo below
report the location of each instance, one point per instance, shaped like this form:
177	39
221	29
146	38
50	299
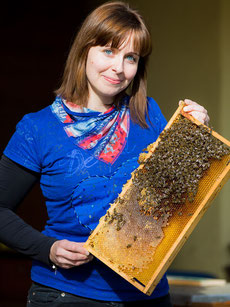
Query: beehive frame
175	234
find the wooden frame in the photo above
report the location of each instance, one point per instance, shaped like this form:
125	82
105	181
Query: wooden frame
179	228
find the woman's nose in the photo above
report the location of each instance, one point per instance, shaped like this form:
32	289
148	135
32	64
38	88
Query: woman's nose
118	65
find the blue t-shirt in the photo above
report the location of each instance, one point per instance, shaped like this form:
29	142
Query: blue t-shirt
79	185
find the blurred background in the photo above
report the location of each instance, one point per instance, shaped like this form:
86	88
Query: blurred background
190	59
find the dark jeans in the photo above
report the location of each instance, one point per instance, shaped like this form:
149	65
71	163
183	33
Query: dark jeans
40	295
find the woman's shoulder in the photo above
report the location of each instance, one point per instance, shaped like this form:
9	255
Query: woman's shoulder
38	119
155	115
152	105
39	115
24	146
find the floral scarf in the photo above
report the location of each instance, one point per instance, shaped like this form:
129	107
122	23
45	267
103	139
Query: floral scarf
103	135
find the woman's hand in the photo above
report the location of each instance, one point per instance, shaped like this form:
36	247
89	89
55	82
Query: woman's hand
197	111
67	254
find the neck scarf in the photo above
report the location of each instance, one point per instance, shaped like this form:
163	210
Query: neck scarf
103	135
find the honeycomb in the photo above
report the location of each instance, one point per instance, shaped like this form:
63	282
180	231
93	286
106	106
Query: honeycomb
163	201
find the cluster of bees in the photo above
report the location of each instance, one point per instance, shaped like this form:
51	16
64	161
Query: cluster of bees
171	175
117	217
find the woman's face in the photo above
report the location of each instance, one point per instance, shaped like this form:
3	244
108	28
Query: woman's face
110	71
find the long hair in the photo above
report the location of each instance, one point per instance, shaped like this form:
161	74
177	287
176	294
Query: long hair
110	23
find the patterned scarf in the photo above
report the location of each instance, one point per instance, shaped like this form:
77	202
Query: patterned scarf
103	135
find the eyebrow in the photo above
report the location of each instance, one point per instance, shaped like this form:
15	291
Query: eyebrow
134	53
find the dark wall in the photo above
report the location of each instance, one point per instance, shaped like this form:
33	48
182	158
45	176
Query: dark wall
35	39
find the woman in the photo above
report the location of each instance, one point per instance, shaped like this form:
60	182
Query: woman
83	148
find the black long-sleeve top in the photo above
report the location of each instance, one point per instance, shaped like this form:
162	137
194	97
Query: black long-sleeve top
15	182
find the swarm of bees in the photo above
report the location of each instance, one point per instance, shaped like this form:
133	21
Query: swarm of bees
171	175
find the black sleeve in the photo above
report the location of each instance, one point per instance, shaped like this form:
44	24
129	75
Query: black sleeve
15	183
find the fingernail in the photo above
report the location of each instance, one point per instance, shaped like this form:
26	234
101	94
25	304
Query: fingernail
87	253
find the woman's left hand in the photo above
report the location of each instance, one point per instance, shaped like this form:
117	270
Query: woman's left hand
196	110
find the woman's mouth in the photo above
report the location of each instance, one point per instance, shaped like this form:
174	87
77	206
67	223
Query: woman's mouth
112	81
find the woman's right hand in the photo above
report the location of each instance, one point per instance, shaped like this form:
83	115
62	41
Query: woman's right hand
67	254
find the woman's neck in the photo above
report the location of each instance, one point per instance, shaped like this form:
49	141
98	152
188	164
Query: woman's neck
98	103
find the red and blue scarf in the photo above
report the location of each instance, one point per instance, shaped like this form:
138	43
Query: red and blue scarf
103	135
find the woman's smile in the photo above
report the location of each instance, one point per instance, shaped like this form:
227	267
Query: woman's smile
112	80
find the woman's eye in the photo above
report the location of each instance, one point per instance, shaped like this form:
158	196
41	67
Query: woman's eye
108	51
131	58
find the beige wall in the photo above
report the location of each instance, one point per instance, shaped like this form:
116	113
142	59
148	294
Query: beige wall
191	58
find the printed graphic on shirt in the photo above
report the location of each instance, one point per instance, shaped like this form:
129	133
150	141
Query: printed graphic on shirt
93	195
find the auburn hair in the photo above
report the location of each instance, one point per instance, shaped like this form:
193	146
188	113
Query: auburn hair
110	23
